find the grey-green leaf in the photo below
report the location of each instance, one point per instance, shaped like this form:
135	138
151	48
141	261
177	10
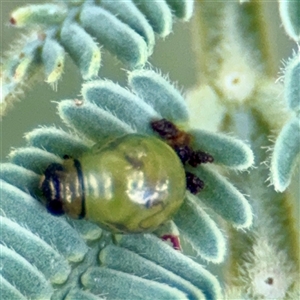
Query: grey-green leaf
35	251
289	13
29	281
76	294
292	82
200	230
183	9
101	280
120	103
134	264
20	177
114	35
91	121
38	14
87	230
34	159
8	291
160	94
225	150
56	141
82	48
285	155
128	13
21	207
53	57
28	60
224	198
152	248
158	14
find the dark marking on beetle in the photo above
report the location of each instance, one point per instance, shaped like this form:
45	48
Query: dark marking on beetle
112	226
51	189
135	162
77	165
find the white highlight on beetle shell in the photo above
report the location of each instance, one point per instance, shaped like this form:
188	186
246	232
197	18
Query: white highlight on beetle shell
99	185
140	191
93	184
51	187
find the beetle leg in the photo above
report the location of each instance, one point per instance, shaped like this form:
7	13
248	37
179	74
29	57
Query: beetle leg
51	188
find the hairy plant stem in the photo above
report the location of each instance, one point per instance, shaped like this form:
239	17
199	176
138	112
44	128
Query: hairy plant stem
217	26
274	213
233	53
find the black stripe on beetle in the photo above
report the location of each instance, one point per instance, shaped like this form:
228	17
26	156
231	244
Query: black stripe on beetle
81	182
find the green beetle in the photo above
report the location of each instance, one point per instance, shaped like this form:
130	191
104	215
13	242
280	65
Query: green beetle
132	184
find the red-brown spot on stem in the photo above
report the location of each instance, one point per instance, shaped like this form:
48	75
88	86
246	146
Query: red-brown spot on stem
269	281
174	239
12	21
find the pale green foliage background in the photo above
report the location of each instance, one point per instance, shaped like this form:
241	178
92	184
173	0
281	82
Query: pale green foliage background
178	64
174	56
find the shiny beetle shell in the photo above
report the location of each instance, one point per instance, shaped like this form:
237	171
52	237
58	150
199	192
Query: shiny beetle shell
132	184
